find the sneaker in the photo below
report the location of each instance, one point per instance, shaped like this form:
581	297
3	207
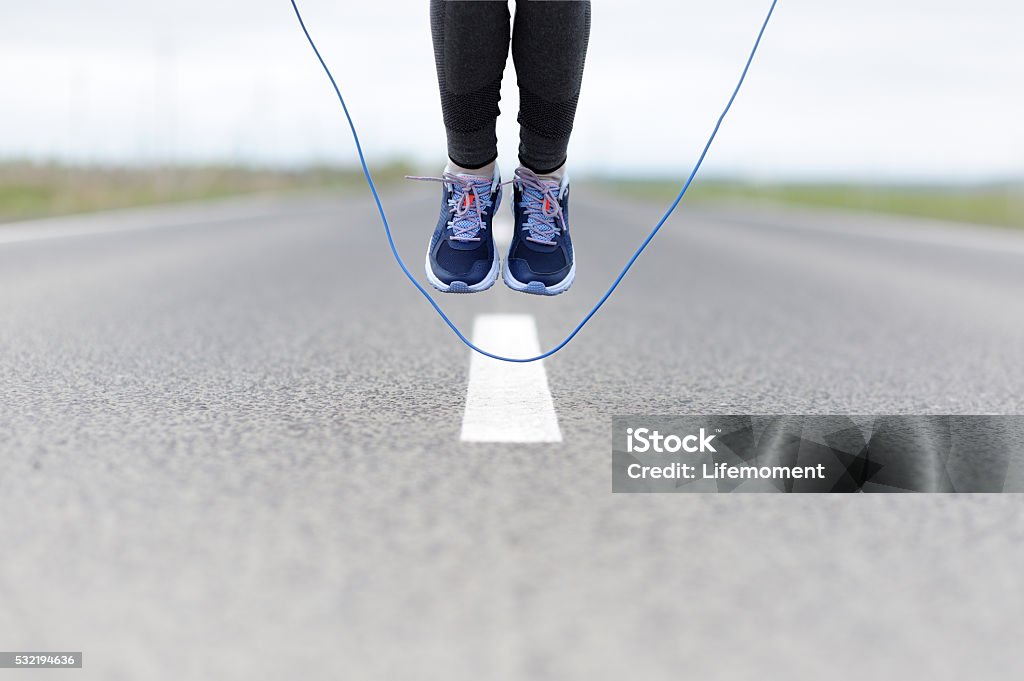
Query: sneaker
461	257
540	258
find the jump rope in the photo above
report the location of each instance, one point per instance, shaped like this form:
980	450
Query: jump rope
629	264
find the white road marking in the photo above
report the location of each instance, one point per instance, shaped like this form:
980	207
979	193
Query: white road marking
508	402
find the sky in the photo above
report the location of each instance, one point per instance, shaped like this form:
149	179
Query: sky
903	90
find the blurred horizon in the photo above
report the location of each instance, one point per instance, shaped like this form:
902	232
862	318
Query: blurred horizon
409	165
33	190
871	94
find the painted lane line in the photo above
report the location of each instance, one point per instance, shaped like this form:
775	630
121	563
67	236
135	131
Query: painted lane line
508	402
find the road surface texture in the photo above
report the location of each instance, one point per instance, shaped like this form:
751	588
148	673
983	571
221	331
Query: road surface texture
231	448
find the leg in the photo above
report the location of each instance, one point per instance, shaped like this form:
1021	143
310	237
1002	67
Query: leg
549	46
471	39
470	49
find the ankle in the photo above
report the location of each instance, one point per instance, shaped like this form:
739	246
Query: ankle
555	175
484	171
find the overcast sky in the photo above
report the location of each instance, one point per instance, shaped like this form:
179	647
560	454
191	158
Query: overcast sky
886	89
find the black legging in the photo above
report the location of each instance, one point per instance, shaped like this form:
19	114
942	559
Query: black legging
549	47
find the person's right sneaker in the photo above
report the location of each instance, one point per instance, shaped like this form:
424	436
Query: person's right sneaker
461	257
540	258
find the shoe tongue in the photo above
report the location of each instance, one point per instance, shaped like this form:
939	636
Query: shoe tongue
483	184
536	195
483	187
551	185
460	245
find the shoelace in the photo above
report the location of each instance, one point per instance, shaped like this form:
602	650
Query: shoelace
467	204
544	219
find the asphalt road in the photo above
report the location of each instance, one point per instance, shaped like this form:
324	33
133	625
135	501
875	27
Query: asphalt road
230	449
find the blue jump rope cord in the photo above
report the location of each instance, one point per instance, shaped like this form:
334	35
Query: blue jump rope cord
618	280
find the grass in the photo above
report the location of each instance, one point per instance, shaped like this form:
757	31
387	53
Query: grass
997	204
32	190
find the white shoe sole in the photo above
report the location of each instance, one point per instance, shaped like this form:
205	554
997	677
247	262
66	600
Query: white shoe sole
462	287
537	288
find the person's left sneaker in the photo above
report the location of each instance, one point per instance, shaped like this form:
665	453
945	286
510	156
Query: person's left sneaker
461	257
540	258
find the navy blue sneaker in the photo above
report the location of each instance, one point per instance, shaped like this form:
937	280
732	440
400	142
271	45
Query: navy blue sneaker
540	258
461	257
